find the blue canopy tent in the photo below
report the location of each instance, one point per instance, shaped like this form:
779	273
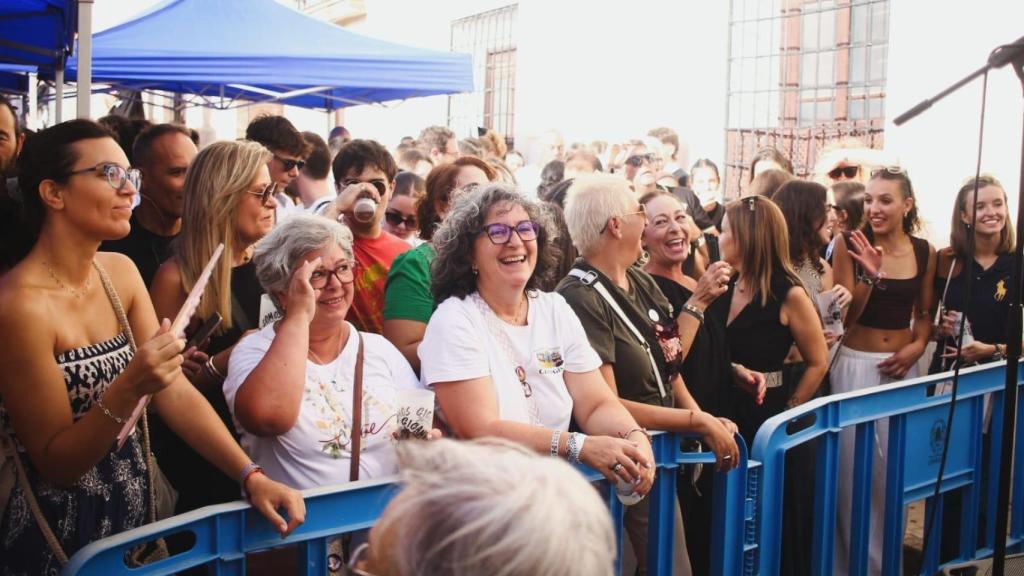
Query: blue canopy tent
230	53
14	78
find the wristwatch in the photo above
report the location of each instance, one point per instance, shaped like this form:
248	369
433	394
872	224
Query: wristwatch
1000	352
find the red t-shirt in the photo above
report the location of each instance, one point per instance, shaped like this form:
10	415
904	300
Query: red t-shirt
374	258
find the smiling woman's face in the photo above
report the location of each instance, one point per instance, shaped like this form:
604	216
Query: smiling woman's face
89	200
253	219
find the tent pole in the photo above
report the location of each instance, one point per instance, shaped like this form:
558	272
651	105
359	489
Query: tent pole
33	102
84	57
58	79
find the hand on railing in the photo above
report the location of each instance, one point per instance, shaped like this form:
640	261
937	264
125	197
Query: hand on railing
617	459
719	435
269	496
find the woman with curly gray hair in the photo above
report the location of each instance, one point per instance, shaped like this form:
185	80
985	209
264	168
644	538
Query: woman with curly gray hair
291	386
509	361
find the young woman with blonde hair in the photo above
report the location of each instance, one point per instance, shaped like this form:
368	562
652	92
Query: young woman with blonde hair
229	199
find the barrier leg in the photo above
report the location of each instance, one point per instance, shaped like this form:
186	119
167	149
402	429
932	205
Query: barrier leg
892	543
617	511
860	502
930	561
825	486
661	527
313	557
727	523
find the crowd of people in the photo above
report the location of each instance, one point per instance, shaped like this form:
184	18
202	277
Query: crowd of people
566	308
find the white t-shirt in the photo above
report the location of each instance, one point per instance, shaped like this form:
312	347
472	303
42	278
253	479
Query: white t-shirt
316	451
459	345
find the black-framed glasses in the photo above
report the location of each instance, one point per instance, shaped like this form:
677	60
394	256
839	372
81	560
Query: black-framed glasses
848	172
289	164
266	193
380	185
395	218
499	233
637	160
344	272
116	176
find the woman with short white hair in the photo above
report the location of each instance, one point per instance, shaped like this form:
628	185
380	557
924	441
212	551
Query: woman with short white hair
291	386
489	506
631	326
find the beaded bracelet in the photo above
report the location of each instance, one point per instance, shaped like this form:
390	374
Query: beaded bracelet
111	415
249	469
639	429
575	447
555	436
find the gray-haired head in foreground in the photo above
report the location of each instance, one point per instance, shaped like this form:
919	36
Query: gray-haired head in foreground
493	507
279	253
452	270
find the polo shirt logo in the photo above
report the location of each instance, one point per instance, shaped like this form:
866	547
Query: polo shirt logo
1000	290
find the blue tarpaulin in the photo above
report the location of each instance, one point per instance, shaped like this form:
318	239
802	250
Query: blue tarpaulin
37	32
14	77
259	50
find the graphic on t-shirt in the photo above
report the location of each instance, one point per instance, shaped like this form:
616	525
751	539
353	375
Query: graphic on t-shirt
549	360
1000	290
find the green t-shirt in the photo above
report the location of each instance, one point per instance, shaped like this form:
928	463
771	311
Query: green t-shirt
613	341
407	294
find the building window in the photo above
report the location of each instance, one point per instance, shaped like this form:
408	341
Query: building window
803	74
490	37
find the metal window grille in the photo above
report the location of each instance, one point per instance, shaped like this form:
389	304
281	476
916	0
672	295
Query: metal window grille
490	37
803	74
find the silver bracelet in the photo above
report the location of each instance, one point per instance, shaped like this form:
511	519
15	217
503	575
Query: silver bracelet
575	447
555	436
211	369
106	411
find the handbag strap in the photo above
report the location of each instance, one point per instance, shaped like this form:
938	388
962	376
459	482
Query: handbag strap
357	412
122	321
590	279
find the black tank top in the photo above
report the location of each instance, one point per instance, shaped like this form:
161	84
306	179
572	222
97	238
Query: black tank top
891	304
757	338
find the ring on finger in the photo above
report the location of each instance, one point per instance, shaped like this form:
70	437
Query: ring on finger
616	467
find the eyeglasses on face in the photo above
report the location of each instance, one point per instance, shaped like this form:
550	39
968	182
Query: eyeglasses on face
380	185
344	272
499	233
116	176
266	193
848	172
289	164
641	209
395	218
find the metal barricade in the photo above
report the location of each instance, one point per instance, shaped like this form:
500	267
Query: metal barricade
916	419
224	534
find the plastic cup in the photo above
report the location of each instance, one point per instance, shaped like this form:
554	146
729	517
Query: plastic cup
364	209
415	413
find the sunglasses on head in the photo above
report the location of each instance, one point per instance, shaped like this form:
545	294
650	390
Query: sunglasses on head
290	165
889	170
395	218
637	160
380	185
848	172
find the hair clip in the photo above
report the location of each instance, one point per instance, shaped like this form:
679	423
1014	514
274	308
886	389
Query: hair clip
751	203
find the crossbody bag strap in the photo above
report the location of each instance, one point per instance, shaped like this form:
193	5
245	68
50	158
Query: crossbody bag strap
357	412
33	505
122	320
590	279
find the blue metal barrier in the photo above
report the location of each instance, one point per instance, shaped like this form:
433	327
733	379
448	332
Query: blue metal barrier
226	533
916	430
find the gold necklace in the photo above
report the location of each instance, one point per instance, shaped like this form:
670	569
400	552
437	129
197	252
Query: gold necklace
77	294
317	358
515	319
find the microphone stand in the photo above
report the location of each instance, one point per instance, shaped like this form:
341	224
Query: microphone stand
1012	54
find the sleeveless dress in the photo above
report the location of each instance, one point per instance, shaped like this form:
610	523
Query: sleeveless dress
110	498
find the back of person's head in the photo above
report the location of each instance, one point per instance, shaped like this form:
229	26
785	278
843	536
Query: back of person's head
439	186
803	205
557	193
318	162
668	136
769	154
767	182
410	158
277	134
435	137
849	199
762	242
142	149
552	173
338	137
51	154
409	184
125	131
582	162
496	144
219	176
491	507
501	171
356	155
471	147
